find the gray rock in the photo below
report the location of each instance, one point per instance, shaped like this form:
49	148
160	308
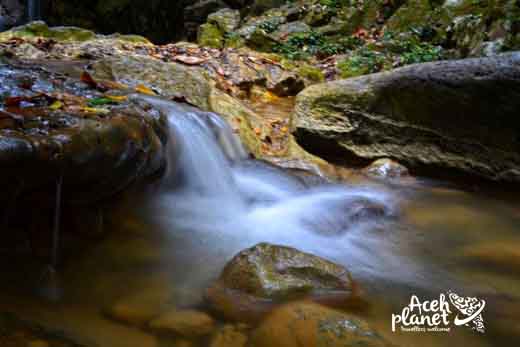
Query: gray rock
461	116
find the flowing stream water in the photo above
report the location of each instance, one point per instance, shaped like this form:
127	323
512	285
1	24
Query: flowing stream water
214	201
33	10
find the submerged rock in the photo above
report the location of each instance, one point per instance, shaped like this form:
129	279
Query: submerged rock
502	256
306	324
15	332
457	115
142	306
187	323
265	274
229	335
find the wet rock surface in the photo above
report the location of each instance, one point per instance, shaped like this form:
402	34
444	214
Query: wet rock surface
306	324
267	274
458	115
15	332
386	168
187	323
48	131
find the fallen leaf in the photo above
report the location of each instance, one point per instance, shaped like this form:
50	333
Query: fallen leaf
114	85
89	80
144	90
56	105
99	102
95	110
189	60
117	98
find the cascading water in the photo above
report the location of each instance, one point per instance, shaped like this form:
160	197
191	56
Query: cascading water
215	196
33	10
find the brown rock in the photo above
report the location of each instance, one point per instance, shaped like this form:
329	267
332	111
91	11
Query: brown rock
258	277
186	323
229	335
141	307
310	325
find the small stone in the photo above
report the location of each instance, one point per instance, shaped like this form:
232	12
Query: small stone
386	168
141	307
186	323
182	343
38	343
229	335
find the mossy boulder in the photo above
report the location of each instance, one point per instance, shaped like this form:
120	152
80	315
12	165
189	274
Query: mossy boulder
209	35
67	35
458	116
226	20
40	29
271	273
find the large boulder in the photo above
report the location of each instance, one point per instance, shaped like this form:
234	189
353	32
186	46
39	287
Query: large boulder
268	274
460	116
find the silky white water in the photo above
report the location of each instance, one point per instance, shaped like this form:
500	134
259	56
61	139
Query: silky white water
33	10
227	202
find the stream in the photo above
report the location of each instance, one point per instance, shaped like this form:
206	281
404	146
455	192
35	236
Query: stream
426	238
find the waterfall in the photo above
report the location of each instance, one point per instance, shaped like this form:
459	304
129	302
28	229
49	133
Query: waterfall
33	10
212	186
214	199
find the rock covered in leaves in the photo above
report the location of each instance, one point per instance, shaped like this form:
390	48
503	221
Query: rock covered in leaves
53	126
459	115
267	274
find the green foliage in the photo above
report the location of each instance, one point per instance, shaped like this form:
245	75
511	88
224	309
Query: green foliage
390	51
421	53
269	26
311	73
411	49
335	3
362	62
305	45
233	40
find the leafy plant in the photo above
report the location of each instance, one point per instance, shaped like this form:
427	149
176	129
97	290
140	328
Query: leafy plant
362	62
269	26
304	45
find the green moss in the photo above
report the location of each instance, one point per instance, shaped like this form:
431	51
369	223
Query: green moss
306	45
362	62
131	38
234	40
311	73
40	29
210	36
261	41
